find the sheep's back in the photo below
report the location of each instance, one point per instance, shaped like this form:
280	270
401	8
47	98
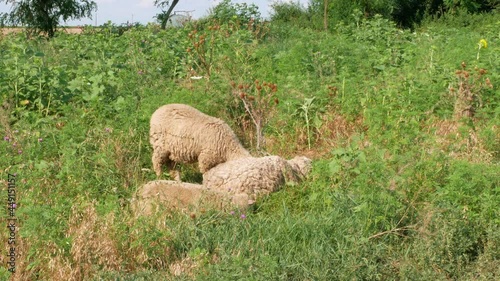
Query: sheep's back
187	131
181	119
249	175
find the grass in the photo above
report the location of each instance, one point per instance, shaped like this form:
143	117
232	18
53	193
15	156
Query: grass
402	186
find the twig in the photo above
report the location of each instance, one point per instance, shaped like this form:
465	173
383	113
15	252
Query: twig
392	231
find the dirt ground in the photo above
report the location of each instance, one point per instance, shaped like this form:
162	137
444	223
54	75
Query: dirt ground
70	30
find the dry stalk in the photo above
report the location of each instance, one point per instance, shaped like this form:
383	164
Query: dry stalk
258	105
468	93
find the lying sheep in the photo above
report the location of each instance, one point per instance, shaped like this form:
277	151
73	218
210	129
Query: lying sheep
236	183
183	196
182	134
256	176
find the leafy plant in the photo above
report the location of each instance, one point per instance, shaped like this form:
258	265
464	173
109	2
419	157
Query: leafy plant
309	112
348	159
290	13
242	13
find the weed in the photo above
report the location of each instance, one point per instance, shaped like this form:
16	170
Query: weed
258	99
468	93
309	112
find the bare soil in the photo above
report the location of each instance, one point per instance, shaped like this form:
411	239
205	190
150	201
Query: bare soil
70	30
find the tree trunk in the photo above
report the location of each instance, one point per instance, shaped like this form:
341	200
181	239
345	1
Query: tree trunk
167	14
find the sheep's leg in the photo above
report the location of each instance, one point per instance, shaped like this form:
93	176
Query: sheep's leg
205	162
173	172
159	158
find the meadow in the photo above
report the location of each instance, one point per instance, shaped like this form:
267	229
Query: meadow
403	126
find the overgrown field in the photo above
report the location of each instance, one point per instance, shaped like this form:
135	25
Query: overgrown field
403	127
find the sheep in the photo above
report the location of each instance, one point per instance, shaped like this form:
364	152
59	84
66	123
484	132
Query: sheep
237	183
256	176
183	196
181	134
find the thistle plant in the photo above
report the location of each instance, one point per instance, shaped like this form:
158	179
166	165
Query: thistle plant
258	100
468	91
203	47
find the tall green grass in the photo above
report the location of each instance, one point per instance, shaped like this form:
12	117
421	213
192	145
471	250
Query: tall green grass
400	188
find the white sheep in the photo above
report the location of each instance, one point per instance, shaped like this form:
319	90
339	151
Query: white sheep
183	196
181	134
256	176
237	183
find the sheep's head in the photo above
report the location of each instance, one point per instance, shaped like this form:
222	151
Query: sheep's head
242	201
301	165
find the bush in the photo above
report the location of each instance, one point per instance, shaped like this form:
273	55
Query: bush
290	13
226	12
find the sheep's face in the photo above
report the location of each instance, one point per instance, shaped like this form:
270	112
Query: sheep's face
301	164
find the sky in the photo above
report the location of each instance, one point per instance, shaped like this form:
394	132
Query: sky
143	11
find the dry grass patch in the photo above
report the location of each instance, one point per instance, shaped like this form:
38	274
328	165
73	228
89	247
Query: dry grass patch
461	142
69	30
334	128
93	245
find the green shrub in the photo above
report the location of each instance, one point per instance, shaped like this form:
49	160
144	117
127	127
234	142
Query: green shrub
226	12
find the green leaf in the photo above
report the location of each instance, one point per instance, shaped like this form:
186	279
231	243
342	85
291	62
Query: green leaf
362	157
317	122
43	165
74	84
361	207
97	90
120	101
334	167
339	151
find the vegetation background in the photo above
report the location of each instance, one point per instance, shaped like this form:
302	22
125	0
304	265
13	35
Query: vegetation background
402	120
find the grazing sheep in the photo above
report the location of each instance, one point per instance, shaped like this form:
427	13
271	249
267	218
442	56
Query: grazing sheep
256	176
183	196
182	134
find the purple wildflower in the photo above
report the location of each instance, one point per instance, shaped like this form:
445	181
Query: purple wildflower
40	140
243	216
6	138
19	151
232	213
107	129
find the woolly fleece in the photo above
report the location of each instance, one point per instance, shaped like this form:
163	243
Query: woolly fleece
181	134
